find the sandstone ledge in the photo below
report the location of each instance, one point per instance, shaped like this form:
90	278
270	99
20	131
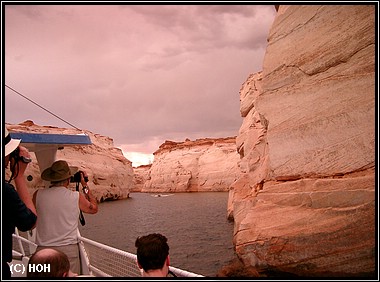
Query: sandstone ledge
110	173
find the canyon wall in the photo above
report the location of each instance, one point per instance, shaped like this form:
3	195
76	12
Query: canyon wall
140	175
194	166
110	173
305	201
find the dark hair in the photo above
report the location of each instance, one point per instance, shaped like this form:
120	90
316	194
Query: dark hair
58	263
152	251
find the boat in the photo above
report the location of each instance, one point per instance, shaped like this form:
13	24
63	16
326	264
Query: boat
97	259
161	195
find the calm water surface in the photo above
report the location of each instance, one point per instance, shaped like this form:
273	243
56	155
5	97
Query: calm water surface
196	225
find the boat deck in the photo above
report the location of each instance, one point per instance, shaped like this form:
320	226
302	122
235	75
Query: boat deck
97	259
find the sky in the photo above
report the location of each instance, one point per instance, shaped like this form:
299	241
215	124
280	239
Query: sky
139	74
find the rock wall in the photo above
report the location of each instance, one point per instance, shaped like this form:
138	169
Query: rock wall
194	166
305	202
141	173
110	173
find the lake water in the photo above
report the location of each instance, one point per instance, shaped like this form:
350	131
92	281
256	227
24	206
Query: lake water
199	234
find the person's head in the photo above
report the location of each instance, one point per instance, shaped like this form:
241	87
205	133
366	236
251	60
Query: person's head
59	173
56	264
10	145
153	254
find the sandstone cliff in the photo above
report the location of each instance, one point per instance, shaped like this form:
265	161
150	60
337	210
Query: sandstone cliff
140	175
305	202
110	173
194	166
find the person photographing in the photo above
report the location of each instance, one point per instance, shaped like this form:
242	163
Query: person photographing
18	209
59	208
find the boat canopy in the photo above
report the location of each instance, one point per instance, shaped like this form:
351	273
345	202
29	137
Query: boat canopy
45	145
41	140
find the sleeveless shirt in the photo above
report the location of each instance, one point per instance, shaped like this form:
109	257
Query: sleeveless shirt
58	214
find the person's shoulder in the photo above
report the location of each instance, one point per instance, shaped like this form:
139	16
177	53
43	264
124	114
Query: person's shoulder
9	189
62	189
8	185
73	194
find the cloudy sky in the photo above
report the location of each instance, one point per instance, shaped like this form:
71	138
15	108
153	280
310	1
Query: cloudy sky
140	74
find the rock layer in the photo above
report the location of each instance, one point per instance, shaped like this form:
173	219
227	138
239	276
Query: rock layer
194	166
305	202
140	175
110	173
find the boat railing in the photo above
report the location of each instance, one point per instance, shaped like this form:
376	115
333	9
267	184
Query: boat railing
20	251
97	259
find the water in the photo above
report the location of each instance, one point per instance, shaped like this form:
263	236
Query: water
199	234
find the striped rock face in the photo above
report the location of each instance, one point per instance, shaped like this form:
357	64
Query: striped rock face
305	202
203	165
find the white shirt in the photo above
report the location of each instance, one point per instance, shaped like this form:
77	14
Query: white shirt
57	216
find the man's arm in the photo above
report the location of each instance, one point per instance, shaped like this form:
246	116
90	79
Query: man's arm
20	182
88	203
22	190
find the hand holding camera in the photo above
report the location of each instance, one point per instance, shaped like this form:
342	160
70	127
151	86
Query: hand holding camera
81	177
17	155
78	176
19	160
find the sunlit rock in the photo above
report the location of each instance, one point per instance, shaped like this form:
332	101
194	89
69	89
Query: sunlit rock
305	203
194	166
110	173
141	173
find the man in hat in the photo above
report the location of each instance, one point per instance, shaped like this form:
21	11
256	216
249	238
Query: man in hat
59	208
18	209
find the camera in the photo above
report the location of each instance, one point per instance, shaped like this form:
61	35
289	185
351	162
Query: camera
77	177
16	156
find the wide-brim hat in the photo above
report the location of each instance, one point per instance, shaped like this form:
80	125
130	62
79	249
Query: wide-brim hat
10	143
59	170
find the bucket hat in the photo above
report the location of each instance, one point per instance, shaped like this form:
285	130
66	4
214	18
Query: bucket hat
10	143
58	171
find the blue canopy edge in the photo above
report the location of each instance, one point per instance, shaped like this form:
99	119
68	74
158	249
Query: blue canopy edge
53	139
